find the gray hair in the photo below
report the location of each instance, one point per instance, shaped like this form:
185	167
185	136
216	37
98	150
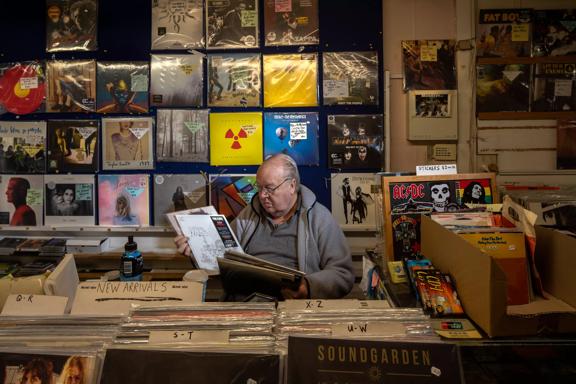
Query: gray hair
289	165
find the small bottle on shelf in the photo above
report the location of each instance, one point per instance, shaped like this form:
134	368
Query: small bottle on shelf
132	263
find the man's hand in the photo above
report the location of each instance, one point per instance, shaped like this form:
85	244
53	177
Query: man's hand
181	242
301	293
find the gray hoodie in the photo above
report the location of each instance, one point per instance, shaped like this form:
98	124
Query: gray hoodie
323	252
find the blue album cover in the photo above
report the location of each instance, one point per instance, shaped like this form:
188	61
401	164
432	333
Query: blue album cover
292	133
122	87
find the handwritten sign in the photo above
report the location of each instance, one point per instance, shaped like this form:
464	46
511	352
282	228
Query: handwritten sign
336	88
436	169
34	305
189	336
298	130
320	305
380	328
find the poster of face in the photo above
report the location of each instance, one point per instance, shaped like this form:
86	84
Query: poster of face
123	200
229	194
174	193
353	200
127	143
22	200
70	199
72	146
22	146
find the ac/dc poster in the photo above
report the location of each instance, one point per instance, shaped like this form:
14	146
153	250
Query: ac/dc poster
71	86
566	149
554	32
22	146
350	78
331	361
355	141
177	24
429	64
554	87
502	87
504	33
22	87
73	146
199	367
291	22
232	24
182	135
229	194
294	134
71	25
406	235
234	80
122	87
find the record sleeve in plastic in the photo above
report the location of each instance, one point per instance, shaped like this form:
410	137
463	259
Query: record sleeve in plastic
294	134
290	80
234	80
182	135
71	25
232	24
292	22
22	146
177	25
72	146
71	86
176	80
22	87
122	87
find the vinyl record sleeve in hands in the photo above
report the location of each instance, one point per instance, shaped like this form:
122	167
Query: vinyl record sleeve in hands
22	146
182	135
177	25
290	80
71	86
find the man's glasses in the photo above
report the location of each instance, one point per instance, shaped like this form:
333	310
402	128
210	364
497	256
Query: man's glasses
270	190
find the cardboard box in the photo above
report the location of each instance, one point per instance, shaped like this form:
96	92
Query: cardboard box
481	283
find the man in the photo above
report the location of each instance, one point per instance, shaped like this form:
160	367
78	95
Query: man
285	224
16	193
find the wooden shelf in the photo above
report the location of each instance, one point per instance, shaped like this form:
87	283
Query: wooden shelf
526	115
526	60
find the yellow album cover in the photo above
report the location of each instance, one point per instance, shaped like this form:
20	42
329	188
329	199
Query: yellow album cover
236	138
291	80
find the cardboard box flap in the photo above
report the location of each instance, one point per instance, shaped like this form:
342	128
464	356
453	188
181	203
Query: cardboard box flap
540	307
480	282
556	263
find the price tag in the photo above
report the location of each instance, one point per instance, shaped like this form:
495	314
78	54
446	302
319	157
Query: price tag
34	305
320	305
381	328
189	336
436	169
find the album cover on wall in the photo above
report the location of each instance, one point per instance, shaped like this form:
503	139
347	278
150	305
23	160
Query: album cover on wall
353	200
22	146
554	32
176	80
182	135
502	87
22	200
554	87
123	200
22	87
177	24
71	86
504	33
294	134
566	148
236	138
429	64
72	146
127	143
234	80
71	25
70	200
173	193
350	78
432	115
232	24
355	141
229	194
122	87
290	80
292	22
28	367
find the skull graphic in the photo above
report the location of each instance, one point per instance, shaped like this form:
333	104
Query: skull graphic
440	196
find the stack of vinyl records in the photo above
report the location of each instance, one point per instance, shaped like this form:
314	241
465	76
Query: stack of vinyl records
53	247
31	246
215	326
350	319
8	245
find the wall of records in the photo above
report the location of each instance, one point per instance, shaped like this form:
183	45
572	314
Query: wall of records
116	112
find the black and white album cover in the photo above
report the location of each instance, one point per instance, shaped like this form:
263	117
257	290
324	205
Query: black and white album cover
177	24
22	146
73	146
176	80
350	78
70	200
173	193
232	24
353	200
291	22
182	135
554	87
355	141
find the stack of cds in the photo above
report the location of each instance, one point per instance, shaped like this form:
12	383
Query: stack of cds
53	247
